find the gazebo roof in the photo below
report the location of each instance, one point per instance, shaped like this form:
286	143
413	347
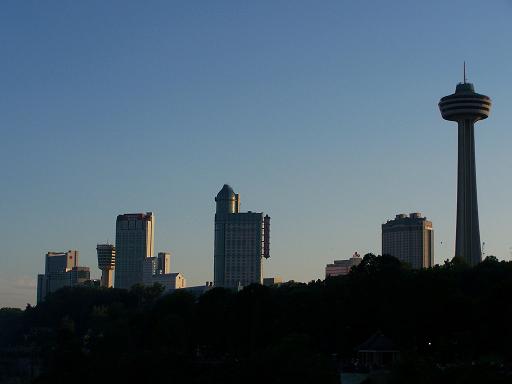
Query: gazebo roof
377	343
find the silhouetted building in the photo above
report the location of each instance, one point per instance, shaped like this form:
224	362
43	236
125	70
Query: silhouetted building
164	263
466	108
241	241
270	281
409	239
149	265
378	352
61	270
106	263
134	243
342	267
198	290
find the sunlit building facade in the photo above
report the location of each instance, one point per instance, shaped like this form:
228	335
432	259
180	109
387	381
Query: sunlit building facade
134	243
409	239
61	270
242	240
342	267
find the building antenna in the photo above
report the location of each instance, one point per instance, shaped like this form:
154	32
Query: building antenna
464	72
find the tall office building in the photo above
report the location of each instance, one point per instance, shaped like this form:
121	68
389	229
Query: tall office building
466	107
134	243
409	239
241	241
61	270
106	263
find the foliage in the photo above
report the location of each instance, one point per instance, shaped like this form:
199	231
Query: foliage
451	323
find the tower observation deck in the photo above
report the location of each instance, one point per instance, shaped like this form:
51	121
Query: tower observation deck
466	107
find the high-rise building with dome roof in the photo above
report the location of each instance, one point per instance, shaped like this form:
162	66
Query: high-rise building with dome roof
241	242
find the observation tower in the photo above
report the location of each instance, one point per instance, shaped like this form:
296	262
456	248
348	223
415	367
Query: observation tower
106	263
466	107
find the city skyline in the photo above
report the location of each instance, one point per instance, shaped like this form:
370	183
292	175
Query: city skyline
323	116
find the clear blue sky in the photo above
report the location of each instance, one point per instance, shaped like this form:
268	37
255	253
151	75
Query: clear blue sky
321	114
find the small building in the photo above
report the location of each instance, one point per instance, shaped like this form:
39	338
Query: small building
170	281
342	267
198	290
377	352
270	281
153	274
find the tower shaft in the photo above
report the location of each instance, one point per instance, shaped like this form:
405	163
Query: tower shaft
106	278
467	242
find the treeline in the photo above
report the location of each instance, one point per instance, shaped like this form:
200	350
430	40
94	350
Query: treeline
451	323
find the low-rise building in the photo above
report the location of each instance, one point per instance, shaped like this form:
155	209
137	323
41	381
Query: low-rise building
153	272
342	267
270	281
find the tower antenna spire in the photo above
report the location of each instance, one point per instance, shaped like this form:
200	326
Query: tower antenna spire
464	72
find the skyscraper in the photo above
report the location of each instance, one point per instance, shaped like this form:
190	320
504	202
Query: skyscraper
106	263
466	108
241	241
409	239
134	243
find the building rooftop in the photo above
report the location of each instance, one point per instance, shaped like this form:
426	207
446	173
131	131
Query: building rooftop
377	342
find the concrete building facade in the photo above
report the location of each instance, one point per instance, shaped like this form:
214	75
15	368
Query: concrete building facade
409	239
241	242
134	243
342	267
60	261
152	274
61	270
466	107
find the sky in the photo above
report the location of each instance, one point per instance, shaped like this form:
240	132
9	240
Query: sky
323	115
